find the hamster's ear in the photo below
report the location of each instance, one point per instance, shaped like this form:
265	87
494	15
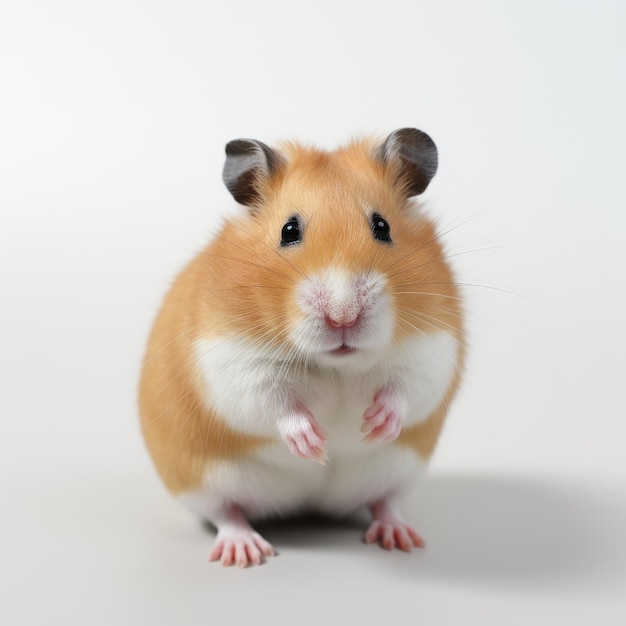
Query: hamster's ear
416	156
249	163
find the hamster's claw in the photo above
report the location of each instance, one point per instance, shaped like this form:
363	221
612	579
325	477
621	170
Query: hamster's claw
303	435
382	421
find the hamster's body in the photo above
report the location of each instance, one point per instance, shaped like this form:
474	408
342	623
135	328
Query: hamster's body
326	319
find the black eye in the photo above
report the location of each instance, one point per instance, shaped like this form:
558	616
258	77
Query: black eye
291	232
380	228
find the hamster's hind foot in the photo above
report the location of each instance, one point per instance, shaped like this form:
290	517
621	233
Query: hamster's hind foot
390	530
237	543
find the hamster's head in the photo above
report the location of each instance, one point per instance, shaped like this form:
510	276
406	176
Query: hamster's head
333	263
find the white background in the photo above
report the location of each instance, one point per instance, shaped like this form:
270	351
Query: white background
113	120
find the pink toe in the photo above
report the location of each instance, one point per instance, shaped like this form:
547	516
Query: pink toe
417	539
403	540
372	533
253	554
216	551
228	554
265	547
241	557
388	540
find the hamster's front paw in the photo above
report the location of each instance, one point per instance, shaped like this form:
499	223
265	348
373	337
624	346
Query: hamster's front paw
303	435
383	420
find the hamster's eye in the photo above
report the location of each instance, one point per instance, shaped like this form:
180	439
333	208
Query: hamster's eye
291	232
380	228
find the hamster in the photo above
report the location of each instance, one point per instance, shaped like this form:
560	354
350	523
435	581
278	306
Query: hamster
306	358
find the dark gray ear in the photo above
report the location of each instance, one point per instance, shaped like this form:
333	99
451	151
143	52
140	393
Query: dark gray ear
247	163
417	154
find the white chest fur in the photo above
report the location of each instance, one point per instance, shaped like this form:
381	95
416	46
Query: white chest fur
249	386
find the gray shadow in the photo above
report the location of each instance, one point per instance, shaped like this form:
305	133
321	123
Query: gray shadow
516	529
310	530
484	528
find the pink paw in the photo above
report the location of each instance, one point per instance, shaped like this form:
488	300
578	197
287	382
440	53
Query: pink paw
383	420
241	547
303	435
392	535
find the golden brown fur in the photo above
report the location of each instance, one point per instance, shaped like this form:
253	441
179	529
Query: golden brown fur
242	284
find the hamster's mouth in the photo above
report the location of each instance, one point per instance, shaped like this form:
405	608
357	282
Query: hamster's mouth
344	348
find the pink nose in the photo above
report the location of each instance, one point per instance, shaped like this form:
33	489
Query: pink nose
341	322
